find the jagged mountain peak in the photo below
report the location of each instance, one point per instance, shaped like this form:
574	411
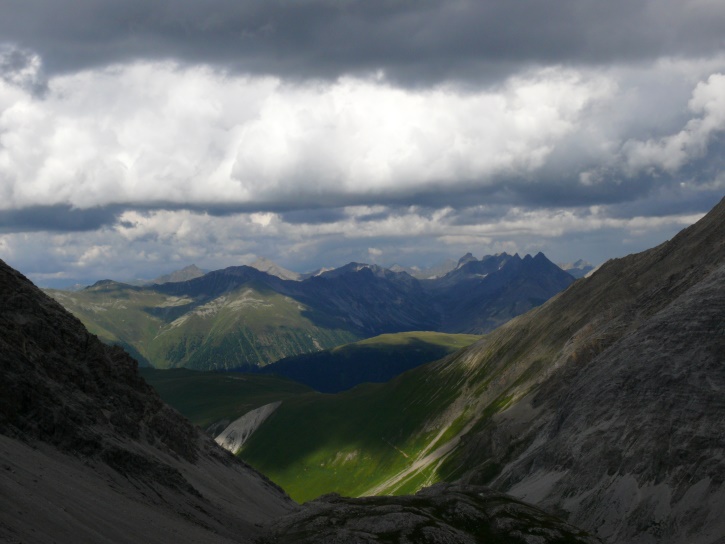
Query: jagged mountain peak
467	258
490	263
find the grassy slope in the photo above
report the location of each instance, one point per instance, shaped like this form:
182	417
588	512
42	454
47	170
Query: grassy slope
248	326
377	359
117	314
347	442
350	442
206	398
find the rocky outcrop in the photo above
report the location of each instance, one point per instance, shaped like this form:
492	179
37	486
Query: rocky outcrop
63	386
441	514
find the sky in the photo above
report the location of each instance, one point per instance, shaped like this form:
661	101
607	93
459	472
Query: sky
139	137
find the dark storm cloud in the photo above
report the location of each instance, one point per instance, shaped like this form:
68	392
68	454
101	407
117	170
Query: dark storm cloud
56	219
410	41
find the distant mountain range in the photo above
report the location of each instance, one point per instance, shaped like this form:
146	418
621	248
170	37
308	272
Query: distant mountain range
603	405
243	316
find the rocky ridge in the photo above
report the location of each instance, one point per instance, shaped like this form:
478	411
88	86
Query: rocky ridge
635	445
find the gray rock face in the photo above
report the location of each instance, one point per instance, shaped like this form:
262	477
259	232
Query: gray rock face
620	429
85	443
441	514
637	444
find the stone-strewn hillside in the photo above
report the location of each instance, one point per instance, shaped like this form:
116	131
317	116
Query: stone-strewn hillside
620	429
634	445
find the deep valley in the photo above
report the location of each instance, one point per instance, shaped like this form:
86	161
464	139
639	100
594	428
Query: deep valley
595	416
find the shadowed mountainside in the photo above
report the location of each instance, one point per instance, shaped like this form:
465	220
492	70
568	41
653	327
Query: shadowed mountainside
89	452
376	359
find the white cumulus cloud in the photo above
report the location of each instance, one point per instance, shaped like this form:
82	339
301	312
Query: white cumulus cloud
160	133
672	152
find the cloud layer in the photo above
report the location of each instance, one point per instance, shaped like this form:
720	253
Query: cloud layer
134	135
160	133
